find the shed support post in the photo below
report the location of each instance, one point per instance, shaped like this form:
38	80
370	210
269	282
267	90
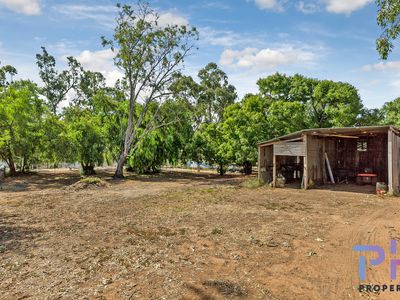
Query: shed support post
324	179
259	164
274	171
390	162
305	173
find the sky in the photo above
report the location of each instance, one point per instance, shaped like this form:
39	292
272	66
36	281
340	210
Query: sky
248	39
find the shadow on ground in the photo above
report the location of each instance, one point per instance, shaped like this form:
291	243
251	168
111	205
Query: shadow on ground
12	236
61	178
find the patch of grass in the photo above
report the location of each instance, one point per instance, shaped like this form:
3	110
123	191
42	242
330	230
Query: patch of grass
251	183
88	183
209	190
182	231
271	205
226	288
91	180
2	248
216	230
153	234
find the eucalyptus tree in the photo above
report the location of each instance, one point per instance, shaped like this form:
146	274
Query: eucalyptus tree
390	112
7	73
21	116
389	20
165	144
326	103
149	55
57	84
215	93
85	117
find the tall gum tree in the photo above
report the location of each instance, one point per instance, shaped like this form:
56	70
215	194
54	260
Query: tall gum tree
149	55
57	84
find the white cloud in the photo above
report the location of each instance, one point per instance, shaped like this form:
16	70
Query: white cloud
395	84
308	7
345	6
228	38
100	61
383	66
26	7
269	4
214	37
96	60
172	18
332	6
265	58
102	14
213	5
105	14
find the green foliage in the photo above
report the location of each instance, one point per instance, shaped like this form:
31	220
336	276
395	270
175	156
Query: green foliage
149	55
6	71
207	102
57	85
286	117
91	180
334	104
214	145
327	103
388	19
155	115
21	113
370	117
56	145
166	143
391	112
245	124
251	183
215	93
85	129
287	104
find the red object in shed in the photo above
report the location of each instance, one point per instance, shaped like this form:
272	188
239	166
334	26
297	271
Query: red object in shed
367	178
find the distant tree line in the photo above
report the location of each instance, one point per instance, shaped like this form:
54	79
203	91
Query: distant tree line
156	115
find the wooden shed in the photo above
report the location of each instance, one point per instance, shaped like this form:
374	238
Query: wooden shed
333	155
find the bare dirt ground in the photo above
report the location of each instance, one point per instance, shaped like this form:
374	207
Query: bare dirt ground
186	235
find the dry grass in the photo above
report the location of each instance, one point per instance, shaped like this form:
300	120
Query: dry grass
177	236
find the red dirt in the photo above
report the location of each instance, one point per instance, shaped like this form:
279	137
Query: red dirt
186	235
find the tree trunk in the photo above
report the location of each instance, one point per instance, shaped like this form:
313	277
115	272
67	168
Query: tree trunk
11	166
88	170
129	135
247	168
24	165
221	170
119	172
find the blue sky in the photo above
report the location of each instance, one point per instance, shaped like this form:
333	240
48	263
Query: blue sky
249	39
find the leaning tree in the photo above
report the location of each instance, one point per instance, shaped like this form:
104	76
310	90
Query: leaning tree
149	55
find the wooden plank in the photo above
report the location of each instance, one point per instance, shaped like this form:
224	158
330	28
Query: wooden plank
336	135
329	168
290	149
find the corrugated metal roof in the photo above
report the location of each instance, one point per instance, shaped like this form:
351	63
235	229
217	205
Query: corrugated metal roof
334	130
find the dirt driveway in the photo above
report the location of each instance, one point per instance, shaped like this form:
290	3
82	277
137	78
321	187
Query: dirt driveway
183	235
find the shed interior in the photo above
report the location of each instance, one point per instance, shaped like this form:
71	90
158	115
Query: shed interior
349	158
353	156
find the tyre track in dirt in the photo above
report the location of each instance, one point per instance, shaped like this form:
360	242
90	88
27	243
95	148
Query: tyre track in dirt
376	228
